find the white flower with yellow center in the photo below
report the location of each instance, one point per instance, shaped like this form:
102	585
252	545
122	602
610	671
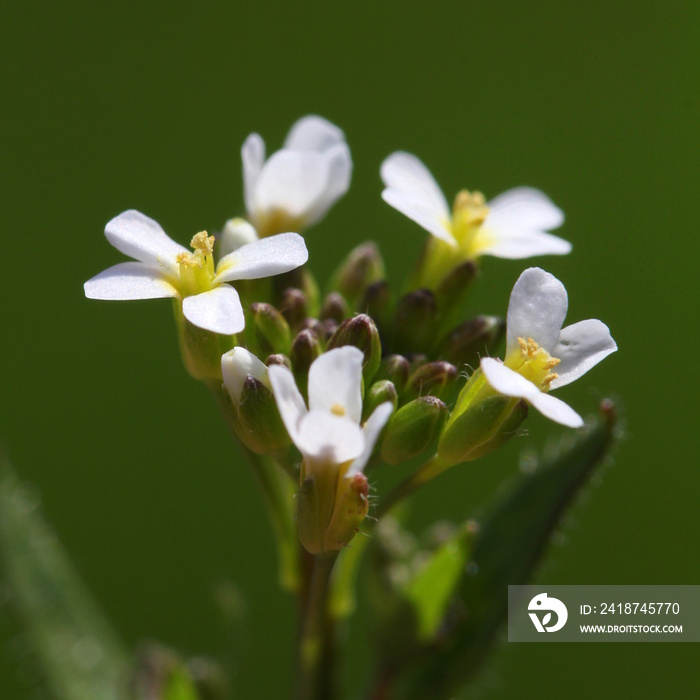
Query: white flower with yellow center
296	186
328	433
513	225
164	268
540	354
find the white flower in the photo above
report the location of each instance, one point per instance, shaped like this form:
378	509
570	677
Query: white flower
164	268
328	433
297	185
536	343
513	225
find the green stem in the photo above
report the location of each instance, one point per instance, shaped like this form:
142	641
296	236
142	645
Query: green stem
317	636
276	484
425	473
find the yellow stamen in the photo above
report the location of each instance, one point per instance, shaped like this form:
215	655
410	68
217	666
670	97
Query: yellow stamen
204	242
534	363
189	260
337	409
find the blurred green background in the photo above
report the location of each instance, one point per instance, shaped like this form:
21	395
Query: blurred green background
145	105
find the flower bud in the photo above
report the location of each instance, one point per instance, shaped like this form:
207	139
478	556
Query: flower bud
415	322
294	307
412	429
434	378
396	369
380	392
376	302
271	329
482	426
451	293
236	233
279	359
255	416
472	340
361	333
335	308
363	266
306	347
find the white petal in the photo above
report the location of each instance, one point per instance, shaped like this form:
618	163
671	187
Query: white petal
581	346
313	133
331	438
289	400
524	208
143	239
239	364
263	258
253	158
515	244
130	280
509	383
424	216
338	175
335	381
219	310
292	181
236	233
557	410
371	431
536	310
405	173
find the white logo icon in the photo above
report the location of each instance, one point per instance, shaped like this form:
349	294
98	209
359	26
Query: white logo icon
543	602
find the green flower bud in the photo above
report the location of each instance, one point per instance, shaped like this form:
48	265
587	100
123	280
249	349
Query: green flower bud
335	308
435	378
294	307
396	369
361	333
271	329
472	340
415	323
306	347
260	426
481	421
412	429
363	266
380	392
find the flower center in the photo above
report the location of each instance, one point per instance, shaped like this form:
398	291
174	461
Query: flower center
534	363
197	268
468	214
337	409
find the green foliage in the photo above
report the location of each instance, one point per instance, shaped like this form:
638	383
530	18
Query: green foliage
75	647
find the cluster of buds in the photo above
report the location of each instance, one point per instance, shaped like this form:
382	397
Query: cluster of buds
330	386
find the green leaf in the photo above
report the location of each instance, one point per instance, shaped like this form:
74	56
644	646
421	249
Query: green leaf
512	537
432	587
76	648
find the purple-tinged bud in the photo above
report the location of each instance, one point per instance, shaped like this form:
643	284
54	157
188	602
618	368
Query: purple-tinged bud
472	340
306	347
433	378
363	266
294	307
396	369
415	323
335	308
360	332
